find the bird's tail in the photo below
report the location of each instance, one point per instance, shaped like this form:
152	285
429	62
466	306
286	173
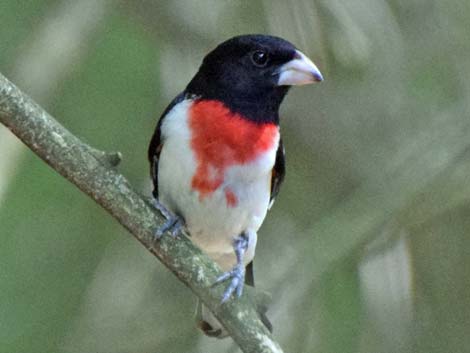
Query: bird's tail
207	322
210	326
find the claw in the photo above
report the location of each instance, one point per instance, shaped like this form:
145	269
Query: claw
236	284
222	278
237	274
174	224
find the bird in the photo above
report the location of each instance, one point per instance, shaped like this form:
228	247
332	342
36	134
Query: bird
217	159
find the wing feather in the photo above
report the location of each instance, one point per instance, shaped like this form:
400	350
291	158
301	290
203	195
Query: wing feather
278	173
156	143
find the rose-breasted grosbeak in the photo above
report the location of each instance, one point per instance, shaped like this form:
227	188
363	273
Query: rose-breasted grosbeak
217	159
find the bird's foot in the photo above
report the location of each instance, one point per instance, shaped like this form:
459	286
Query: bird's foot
237	279
237	274
173	224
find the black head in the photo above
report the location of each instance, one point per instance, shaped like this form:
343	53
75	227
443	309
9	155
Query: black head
244	73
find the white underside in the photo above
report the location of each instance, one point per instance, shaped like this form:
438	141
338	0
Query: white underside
212	224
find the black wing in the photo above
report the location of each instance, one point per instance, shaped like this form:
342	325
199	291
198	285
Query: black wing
156	144
249	275
278	173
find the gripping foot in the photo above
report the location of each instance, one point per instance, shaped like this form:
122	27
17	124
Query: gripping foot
237	274
173	224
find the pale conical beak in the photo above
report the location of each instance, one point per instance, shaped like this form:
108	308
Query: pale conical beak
299	71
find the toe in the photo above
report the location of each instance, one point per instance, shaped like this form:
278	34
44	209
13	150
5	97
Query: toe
223	277
177	227
163	228
237	276
159	232
239	289
174	225
231	288
161	208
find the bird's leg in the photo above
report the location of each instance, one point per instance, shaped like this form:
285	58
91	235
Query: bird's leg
237	274
174	224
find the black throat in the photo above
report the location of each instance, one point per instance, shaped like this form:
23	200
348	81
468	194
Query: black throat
260	105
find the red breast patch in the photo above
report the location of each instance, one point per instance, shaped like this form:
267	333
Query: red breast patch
220	139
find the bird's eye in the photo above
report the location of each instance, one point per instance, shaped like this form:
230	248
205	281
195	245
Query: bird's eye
259	58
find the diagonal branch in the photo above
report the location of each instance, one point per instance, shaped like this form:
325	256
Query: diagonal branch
93	172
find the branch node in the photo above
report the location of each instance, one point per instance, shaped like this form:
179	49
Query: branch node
108	159
114	158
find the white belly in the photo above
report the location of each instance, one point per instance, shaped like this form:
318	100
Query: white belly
211	221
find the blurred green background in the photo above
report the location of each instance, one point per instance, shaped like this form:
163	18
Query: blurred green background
367	248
